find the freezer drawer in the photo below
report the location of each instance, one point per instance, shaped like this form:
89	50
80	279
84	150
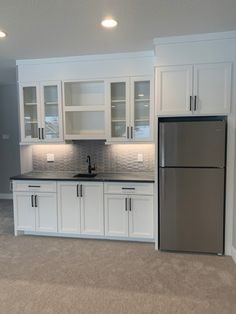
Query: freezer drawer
191	209
192	143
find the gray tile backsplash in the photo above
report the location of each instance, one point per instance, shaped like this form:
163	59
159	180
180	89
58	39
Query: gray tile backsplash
108	158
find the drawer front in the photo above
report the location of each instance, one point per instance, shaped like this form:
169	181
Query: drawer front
129	188
34	186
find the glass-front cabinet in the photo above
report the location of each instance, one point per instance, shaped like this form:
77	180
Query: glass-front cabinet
130	109
41	112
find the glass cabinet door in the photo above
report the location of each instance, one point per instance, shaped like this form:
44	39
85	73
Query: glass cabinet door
30	109
118	109
51	112
141	110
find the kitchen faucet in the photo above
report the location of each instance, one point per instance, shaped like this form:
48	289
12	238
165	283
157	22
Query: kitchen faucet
90	168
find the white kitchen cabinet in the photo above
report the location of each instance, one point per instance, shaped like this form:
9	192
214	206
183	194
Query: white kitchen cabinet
116	215
46	212
68	207
193	89
128	212
35	212
129	109
141	216
84	110
212	88
24	212
35	206
92	216
80	207
41	112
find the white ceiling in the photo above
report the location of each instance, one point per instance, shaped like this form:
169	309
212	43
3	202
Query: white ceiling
55	28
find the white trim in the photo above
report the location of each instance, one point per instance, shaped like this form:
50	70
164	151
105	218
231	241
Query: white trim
85	236
194	38
6	196
95	57
234	254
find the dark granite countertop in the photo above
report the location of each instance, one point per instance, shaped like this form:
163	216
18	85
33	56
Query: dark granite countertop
148	177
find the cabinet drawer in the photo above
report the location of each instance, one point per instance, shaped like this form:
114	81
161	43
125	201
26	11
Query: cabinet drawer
129	188
34	186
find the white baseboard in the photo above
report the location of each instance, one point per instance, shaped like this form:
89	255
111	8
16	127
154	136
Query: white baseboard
234	254
6	196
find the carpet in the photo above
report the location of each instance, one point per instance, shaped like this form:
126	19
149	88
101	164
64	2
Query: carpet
63	275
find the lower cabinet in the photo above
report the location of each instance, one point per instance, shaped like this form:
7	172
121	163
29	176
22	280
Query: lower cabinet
80	208
83	209
129	216
141	220
116	216
35	212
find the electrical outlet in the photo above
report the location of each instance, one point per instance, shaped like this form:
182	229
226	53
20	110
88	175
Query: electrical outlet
50	158
140	157
5	136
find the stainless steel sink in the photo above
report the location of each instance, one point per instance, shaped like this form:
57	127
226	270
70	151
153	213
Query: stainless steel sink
85	175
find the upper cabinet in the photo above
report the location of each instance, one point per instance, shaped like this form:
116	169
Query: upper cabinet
84	110
193	89
129	109
40	110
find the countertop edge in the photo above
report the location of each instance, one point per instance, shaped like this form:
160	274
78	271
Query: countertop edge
83	179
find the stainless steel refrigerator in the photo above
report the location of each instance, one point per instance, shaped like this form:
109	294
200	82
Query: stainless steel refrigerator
192	157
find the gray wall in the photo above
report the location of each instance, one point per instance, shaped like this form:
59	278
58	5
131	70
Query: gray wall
9	148
108	158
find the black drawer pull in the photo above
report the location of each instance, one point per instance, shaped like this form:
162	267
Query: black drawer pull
34	186
128	188
32	201
35	201
126	204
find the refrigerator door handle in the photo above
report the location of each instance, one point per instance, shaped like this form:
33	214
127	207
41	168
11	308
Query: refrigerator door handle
162	145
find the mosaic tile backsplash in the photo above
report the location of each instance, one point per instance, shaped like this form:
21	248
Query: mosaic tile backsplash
108	158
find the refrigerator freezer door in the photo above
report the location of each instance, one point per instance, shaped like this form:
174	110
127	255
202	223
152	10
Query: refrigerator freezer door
191	209
192	144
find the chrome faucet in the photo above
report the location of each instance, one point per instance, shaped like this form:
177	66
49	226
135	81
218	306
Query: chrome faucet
90	168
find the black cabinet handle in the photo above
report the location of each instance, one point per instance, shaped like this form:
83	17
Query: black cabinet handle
126	204
130	204
195	103
128	188
190	103
39	134
34	186
81	190
43	133
77	190
36	201
131	132
127	132
32	201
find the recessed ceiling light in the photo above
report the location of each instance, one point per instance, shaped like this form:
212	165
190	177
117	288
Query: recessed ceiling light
109	23
2	34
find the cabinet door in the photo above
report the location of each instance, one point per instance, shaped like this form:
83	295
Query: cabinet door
173	89
91	198
117	95
141	220
68	208
212	88
51	111
29	112
116	215
24	212
141	109
46	212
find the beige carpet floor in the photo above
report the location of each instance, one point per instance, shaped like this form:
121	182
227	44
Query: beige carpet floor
56	275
